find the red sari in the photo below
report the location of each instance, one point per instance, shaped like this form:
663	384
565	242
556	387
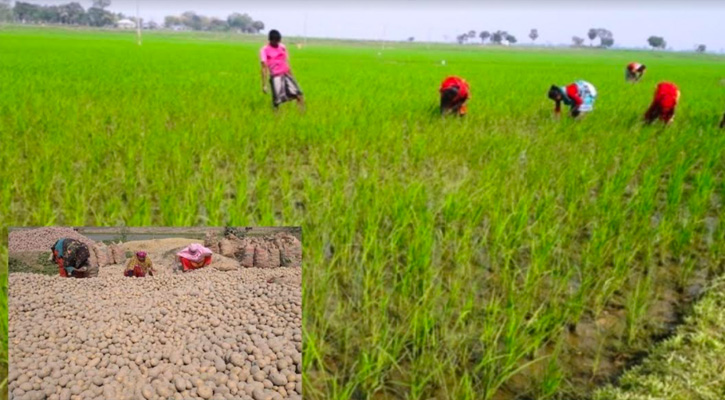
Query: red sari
189	265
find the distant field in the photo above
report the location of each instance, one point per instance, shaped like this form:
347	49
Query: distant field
504	254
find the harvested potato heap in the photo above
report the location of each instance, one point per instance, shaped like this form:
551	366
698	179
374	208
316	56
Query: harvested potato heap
40	240
205	334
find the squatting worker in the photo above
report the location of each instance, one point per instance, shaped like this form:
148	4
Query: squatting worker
72	258
139	266
276	69
194	256
634	72
579	96
667	95
454	93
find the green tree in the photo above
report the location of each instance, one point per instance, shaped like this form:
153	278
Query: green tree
607	42
216	24
657	42
499	36
72	13
606	38
484	35
592	34
26	12
534	34
240	22
102	4
257	26
192	20
100	17
171	21
6	11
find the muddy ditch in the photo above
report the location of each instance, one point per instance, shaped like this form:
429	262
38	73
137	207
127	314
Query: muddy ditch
595	350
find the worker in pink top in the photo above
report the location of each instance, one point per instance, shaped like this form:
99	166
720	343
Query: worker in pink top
275	67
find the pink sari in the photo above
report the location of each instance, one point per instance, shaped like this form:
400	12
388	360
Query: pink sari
194	252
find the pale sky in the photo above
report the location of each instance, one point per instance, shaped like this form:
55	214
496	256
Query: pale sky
683	24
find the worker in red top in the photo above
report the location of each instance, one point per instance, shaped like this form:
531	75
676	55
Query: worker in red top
454	94
634	72
667	95
579	96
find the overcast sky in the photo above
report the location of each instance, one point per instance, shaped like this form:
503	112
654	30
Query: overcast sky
683	23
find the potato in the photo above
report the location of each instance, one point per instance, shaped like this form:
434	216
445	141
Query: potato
205	334
148	392
205	391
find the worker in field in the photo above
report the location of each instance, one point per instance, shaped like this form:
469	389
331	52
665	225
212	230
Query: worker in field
139	266
193	257
579	96
454	92
73	259
276	70
666	97
634	72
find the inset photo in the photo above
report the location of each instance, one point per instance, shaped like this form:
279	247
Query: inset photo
155	313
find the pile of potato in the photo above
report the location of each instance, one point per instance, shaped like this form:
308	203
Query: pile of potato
205	334
40	239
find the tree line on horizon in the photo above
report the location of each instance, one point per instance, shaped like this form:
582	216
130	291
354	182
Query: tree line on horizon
658	42
605	36
500	37
98	15
236	22
68	14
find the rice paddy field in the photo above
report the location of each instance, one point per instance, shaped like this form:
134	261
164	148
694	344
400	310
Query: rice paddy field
505	255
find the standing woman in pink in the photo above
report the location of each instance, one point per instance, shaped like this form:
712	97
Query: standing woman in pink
275	67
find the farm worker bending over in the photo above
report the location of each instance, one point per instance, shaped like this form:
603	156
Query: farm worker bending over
667	95
634	72
139	266
194	256
275	67
454	94
73	259
580	96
